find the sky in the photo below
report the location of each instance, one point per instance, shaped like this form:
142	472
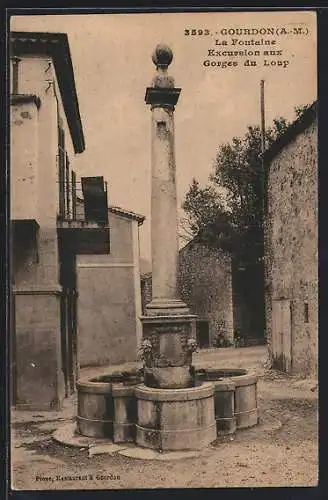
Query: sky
111	55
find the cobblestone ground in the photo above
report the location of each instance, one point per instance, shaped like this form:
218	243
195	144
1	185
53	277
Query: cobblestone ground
281	451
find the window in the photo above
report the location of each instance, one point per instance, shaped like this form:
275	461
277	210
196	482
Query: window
14	75
306	312
67	189
73	185
61	170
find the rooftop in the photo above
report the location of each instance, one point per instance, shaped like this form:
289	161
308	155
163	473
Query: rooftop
127	213
292	131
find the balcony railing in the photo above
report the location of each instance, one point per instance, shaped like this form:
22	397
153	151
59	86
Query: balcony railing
83	214
83	200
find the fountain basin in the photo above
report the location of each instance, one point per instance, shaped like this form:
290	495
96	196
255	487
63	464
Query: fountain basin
175	419
107	406
119	407
235	389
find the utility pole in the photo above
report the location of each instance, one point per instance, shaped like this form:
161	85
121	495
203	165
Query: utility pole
264	196
262	146
262	118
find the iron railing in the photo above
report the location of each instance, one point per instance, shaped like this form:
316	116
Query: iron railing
71	198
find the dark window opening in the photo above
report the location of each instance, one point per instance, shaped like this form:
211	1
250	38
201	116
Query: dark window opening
24	247
67	187
61	170
73	187
306	312
15	75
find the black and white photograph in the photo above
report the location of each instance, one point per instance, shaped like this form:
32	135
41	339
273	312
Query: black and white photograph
163	250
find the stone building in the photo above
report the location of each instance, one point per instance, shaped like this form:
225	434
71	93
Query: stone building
291	248
45	134
205	285
109	286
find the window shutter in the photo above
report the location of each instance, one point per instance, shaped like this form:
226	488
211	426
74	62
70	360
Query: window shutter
61	170
67	186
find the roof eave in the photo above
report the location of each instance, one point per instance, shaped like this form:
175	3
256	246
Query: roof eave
293	130
127	214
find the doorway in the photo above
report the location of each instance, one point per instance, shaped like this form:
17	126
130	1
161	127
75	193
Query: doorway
68	319
202	333
282	334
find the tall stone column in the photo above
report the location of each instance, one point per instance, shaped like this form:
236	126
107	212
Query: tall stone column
167	325
162	97
164	212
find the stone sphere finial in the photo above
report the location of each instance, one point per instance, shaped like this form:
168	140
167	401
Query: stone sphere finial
162	56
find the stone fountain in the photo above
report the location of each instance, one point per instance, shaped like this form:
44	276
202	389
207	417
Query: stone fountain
167	405
173	413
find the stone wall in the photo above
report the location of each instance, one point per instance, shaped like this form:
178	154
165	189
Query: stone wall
204	284
292	255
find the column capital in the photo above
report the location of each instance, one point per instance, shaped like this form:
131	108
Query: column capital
164	97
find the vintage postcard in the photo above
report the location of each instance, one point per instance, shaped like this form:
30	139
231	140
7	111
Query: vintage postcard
164	255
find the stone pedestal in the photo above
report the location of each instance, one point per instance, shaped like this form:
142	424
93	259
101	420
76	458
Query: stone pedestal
168	365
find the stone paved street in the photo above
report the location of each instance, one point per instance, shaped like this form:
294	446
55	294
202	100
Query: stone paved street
281	451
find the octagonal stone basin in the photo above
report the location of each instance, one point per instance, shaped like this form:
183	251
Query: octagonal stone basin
108	406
